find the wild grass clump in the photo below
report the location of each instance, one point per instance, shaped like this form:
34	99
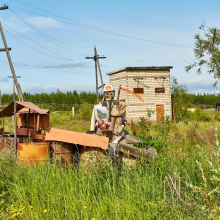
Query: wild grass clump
51	191
65	120
55	192
105	191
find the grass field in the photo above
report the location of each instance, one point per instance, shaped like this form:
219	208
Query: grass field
191	148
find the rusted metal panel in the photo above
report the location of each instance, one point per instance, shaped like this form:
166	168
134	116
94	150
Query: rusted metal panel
24	132
9	110
39	136
33	152
63	152
77	138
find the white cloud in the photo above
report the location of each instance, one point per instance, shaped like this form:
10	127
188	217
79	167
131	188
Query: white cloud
80	87
39	22
42	22
200	86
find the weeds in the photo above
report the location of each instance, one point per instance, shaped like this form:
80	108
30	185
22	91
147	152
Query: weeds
51	191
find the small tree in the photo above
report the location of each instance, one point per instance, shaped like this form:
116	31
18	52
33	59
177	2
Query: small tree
181	99
207	52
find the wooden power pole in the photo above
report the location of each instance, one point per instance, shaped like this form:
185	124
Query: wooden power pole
96	59
6	49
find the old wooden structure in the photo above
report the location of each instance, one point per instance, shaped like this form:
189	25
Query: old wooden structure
152	84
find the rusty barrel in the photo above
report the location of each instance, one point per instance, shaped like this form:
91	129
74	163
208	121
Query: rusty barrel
36	152
63	152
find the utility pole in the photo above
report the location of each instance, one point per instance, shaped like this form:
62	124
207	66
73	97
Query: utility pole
6	49
96	59
14	86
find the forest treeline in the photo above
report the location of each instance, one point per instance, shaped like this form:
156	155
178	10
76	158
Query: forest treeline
65	101
56	100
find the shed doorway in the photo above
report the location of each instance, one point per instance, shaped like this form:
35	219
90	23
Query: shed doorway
160	113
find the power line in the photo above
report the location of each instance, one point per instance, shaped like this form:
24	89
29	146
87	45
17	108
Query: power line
32	47
83	25
36	49
54	38
42	33
62	75
38	43
42	68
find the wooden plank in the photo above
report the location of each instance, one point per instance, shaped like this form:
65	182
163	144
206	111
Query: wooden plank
38	121
77	138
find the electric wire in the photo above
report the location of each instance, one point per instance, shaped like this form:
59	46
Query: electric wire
31	46
56	39
39	44
64	74
47	55
41	32
41	68
83	25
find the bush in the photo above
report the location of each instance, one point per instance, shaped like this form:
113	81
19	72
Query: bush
85	112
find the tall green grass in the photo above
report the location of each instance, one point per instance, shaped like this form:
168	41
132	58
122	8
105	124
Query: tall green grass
104	192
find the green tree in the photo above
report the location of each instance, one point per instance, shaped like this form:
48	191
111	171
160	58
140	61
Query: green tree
207	52
181	100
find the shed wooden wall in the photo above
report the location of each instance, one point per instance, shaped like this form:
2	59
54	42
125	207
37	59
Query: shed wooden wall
136	108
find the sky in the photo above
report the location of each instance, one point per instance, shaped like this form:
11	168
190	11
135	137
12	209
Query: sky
50	40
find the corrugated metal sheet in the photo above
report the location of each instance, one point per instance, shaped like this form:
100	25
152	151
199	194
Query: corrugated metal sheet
77	138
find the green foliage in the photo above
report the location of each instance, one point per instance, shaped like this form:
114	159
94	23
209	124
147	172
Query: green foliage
85	112
56	100
65	120
181	100
209	187
52	191
207	52
158	141
65	101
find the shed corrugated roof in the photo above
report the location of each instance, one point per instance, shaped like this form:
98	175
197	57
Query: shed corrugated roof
9	110
141	68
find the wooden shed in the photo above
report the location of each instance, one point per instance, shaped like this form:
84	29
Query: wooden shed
34	120
152	84
31	119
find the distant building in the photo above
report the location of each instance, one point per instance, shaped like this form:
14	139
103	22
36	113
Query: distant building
152	84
